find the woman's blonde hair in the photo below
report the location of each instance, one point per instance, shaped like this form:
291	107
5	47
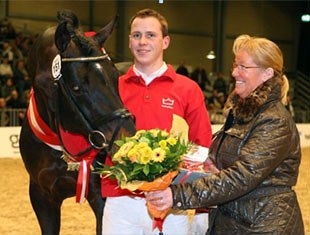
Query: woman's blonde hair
266	54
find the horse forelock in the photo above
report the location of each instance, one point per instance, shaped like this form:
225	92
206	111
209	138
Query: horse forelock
69	17
86	46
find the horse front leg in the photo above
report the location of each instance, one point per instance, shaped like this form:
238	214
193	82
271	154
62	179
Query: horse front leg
97	208
96	201
46	210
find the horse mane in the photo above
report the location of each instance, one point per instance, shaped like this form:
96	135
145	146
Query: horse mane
72	23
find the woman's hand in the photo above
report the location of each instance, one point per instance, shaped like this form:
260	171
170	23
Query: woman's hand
160	200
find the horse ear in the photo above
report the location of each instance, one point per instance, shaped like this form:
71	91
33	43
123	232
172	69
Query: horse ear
105	32
62	37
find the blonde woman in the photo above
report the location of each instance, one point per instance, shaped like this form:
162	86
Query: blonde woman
257	152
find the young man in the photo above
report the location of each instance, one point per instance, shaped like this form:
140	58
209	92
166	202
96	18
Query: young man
152	91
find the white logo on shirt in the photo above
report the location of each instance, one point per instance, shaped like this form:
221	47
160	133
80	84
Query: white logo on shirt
167	103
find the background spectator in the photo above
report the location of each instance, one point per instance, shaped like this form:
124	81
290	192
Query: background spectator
220	84
25	98
7	88
216	101
6	70
7	51
200	76
4	117
21	77
182	69
13	101
7	30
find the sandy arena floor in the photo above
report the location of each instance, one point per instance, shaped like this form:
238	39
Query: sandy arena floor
18	218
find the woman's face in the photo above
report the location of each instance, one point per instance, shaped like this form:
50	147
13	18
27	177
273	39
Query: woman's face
248	75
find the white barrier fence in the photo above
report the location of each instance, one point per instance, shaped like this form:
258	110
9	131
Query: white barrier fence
9	139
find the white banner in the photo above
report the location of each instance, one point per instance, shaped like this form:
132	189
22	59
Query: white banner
304	133
9	139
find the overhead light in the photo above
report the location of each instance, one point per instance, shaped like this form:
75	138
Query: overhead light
211	55
305	18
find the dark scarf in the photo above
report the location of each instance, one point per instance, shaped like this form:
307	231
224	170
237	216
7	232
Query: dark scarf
245	110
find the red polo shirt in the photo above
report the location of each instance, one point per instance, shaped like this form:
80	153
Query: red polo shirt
153	106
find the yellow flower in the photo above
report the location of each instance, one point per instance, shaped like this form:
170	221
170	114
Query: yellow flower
138	134
118	157
124	149
133	155
144	140
147	151
163	144
141	145
158	155
154	132
171	140
164	133
144	159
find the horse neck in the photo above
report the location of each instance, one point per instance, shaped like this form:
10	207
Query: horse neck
44	109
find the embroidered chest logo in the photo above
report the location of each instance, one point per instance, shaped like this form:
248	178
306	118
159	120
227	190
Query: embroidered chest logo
167	103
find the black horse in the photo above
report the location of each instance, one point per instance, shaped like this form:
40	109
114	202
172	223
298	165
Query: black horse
73	118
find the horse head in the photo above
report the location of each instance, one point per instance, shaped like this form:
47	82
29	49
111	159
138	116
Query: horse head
75	84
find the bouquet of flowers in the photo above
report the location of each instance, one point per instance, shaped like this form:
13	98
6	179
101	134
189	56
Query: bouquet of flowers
147	161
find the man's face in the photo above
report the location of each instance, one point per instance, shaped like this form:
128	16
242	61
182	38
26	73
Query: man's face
147	43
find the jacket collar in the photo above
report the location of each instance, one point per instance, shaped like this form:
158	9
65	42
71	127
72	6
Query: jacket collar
244	110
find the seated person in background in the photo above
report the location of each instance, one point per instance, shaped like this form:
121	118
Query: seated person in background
217	101
220	84
7	88
7	51
200	76
4	116
21	77
182	69
6	70
13	101
7	30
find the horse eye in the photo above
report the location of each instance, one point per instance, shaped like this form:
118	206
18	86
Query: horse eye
76	88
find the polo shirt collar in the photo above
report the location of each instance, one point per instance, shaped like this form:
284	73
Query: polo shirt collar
168	73
149	78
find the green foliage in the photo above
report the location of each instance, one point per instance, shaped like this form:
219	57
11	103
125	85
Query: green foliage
145	156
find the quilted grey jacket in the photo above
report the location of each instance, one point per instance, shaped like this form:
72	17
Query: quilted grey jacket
258	153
